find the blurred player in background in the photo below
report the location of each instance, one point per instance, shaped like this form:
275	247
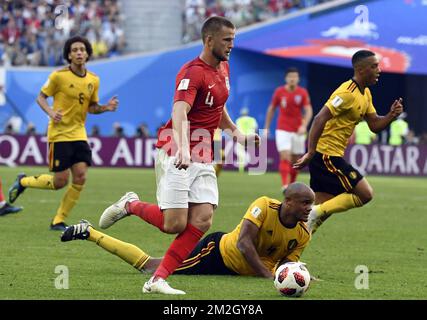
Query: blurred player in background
339	186
294	117
247	125
270	233
75	93
6	208
399	130
187	191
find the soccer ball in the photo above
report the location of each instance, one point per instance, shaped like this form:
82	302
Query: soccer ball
292	279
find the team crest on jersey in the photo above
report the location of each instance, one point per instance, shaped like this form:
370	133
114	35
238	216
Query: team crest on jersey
297	99
227	83
283	102
292	244
90	88
353	175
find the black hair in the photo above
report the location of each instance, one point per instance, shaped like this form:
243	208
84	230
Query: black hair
214	24
290	70
361	55
70	41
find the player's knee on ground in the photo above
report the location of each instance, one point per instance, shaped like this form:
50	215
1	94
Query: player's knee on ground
367	195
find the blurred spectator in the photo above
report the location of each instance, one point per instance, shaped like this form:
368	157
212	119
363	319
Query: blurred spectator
99	46
95	132
423	138
142	131
411	138
14	124
247	125
8	129
363	135
32	32
398	130
240	12
118	130
31	129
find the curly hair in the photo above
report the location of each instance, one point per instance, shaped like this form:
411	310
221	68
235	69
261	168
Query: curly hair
70	41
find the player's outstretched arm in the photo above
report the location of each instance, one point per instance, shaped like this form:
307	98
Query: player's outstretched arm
269	116
246	245
308	114
378	123
111	105
316	130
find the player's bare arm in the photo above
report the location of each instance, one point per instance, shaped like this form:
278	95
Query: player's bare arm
308	114
230	127
180	133
268	118
56	116
316	130
246	245
111	105
378	123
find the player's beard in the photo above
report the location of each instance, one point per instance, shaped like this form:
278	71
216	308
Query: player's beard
220	57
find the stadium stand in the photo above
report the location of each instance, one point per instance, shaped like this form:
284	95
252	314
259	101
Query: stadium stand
33	32
241	12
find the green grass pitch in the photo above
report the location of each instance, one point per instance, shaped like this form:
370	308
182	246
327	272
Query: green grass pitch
387	236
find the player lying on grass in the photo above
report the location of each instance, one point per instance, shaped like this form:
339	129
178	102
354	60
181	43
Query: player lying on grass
270	233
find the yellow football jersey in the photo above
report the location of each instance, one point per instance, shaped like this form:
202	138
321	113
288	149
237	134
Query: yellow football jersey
348	106
274	242
72	94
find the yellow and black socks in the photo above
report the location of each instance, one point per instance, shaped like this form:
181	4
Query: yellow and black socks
68	201
126	251
340	203
42	181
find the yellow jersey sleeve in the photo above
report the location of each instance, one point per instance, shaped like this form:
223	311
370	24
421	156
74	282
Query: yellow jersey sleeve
257	211
95	97
340	102
50	87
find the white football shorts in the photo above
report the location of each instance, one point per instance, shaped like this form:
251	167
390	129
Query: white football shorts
176	188
290	141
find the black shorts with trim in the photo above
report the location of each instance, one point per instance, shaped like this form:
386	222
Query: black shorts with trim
64	154
206	258
332	175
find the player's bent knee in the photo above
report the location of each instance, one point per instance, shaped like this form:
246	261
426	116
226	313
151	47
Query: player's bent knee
60	183
203	222
79	180
174	227
204	226
367	196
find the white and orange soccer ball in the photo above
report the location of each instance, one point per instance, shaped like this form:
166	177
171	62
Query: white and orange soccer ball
292	279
